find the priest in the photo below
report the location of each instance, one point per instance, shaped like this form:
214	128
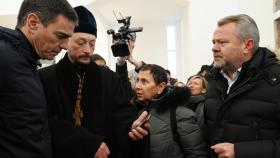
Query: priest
89	112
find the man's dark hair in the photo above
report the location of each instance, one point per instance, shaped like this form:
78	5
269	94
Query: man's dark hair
95	57
46	10
204	69
168	72
159	73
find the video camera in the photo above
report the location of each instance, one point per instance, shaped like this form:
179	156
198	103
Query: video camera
119	46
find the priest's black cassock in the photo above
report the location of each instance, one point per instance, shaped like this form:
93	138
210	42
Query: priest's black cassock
107	114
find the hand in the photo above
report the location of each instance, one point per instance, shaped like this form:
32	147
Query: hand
129	57
140	127
102	152
133	61
224	150
131	46
121	60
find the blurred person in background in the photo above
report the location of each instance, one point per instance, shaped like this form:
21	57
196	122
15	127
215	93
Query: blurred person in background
198	88
197	85
99	60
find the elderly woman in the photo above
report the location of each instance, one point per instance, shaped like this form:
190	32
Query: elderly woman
163	103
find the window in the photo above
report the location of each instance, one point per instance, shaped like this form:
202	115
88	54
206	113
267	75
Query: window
171	49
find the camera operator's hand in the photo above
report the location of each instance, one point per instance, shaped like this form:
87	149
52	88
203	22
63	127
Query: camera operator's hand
134	62
121	60
131	45
129	58
137	64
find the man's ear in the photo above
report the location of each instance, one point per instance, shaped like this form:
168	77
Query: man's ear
32	22
161	87
249	45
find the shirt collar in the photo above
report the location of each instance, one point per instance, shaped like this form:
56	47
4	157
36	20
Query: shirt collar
235	75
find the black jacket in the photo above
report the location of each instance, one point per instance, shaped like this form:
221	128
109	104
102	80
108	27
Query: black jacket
107	116
24	128
121	70
249	115
197	104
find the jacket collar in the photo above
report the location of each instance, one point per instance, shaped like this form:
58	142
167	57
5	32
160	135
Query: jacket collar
18	41
197	99
30	53
170	97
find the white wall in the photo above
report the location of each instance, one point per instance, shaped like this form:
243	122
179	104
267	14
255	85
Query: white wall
195	32
151	45
196	28
202	17
8	21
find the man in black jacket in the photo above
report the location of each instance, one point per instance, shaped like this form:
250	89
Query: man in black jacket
242	108
43	29
91	116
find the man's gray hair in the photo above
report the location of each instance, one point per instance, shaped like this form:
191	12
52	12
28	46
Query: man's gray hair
246	28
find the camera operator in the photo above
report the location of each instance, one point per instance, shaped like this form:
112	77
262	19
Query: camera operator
123	44
121	65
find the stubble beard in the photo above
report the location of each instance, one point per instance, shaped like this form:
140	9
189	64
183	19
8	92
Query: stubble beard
224	65
219	65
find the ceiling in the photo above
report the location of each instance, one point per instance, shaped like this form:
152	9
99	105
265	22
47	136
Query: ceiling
140	10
